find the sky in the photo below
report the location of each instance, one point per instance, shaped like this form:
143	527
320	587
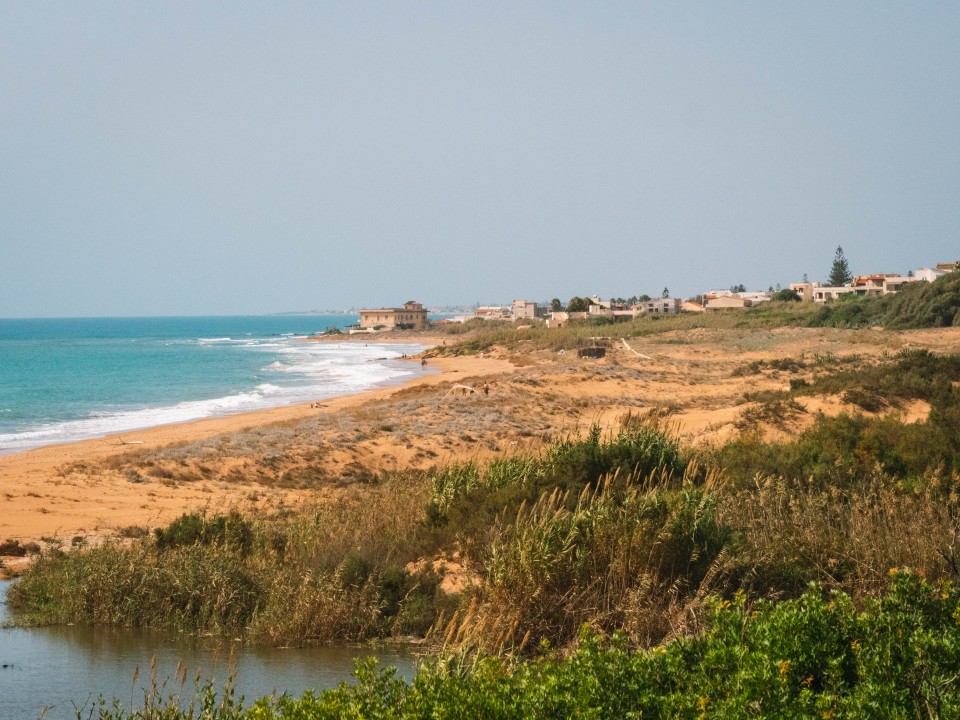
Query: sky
189	158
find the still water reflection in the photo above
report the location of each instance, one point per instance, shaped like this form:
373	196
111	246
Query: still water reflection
64	668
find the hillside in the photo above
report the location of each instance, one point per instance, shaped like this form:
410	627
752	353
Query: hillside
917	305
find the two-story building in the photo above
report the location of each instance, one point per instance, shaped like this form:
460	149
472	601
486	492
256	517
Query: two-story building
412	316
805	289
873	284
524	310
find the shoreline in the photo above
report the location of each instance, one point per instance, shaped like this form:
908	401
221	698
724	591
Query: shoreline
43	501
154	436
426	342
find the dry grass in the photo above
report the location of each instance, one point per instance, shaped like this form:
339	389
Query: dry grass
846	538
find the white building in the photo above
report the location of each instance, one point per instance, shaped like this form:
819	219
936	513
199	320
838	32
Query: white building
668	306
939	270
727	302
755	297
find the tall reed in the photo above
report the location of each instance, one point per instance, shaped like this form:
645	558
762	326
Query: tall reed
599	558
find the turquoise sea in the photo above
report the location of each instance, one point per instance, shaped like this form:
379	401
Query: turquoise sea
70	379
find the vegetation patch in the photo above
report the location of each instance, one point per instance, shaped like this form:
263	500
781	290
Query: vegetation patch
916	305
908	375
14	548
777	412
756	367
815	656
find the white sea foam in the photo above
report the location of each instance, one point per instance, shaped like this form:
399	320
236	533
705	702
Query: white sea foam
300	372
268	389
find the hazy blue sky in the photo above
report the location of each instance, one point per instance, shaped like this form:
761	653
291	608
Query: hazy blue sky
227	158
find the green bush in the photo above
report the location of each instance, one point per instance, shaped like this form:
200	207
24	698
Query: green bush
615	557
922	304
836	449
231	530
785	295
466	495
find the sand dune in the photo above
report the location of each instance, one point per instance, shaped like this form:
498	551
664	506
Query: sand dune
83	492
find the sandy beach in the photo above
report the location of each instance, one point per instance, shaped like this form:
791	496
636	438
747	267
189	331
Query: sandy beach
79	493
61	494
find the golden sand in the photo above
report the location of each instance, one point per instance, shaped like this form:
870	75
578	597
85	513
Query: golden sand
81	492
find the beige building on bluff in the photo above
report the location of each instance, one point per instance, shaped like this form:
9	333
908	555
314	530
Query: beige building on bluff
524	310
412	316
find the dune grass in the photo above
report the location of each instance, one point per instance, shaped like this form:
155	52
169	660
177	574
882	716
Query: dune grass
625	532
343	570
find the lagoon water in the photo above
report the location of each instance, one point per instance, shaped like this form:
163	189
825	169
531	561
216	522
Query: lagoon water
71	379
65	668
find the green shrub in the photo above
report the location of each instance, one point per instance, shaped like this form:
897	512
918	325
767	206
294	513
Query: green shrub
865	399
922	304
574	462
785	295
231	530
467	495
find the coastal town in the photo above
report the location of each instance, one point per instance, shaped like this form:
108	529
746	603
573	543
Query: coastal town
414	316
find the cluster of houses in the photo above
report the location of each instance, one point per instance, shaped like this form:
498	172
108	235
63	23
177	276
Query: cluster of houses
413	315
607	308
878	284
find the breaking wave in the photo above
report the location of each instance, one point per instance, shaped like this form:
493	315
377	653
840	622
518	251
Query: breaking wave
297	372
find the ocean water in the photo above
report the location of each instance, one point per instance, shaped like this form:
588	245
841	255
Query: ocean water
71	379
